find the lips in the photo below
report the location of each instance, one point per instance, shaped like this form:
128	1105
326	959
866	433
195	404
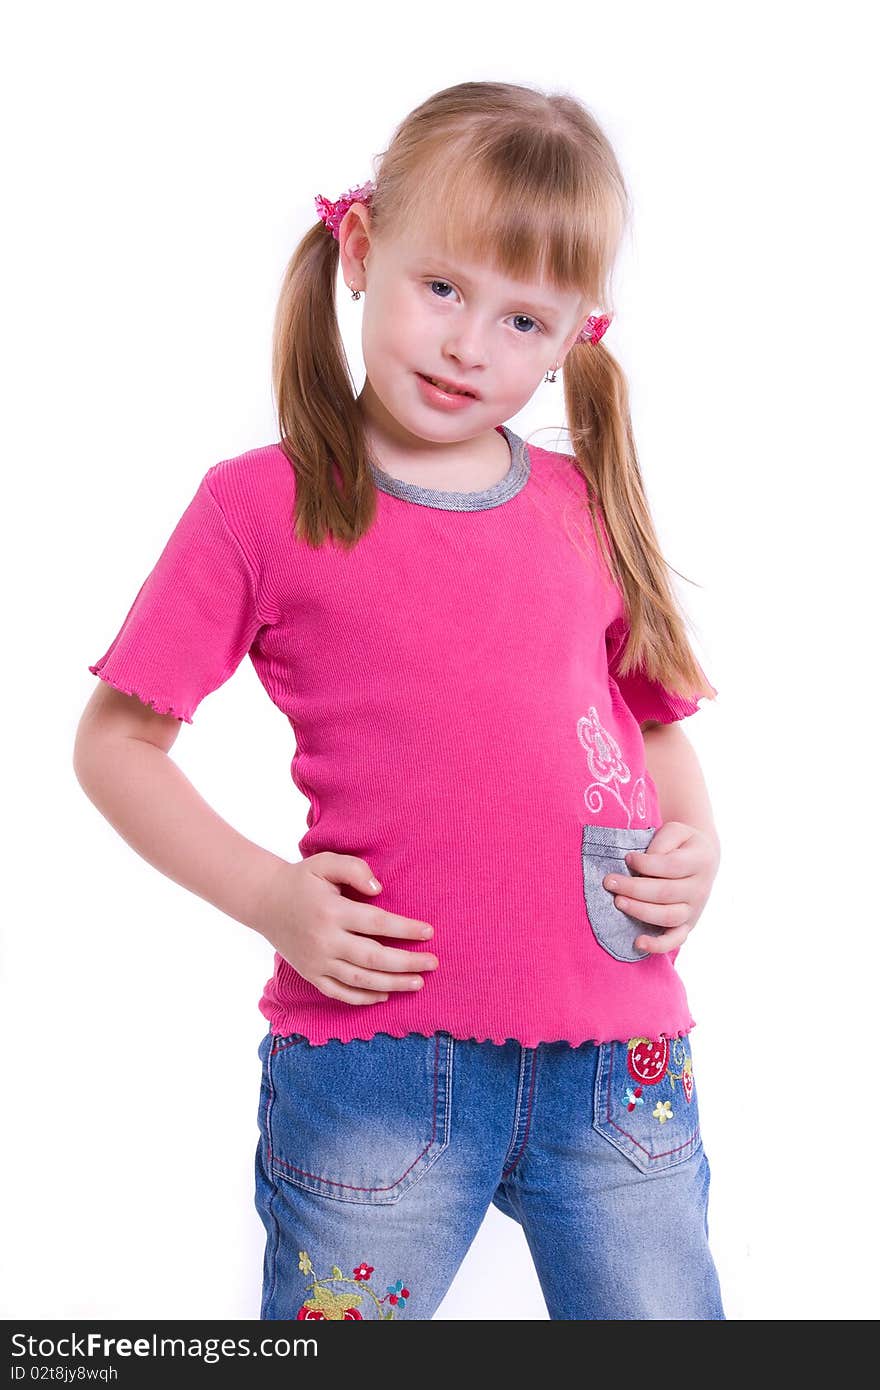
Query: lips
456	387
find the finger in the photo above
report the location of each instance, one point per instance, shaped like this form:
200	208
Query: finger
659	945
647	890
371	956
677	863
375	921
336	990
665	915
359	978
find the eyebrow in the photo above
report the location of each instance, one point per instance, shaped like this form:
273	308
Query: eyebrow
426	263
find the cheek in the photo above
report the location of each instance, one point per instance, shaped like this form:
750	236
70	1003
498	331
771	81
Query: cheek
383	340
525	368
396	326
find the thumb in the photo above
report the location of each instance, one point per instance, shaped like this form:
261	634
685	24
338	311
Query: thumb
346	868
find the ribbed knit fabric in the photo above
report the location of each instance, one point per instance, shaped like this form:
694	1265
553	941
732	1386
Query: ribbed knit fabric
451	686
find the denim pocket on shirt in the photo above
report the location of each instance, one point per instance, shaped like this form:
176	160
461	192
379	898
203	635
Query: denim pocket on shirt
360	1121
602	850
645	1101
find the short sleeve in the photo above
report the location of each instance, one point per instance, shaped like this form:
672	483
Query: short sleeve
648	699
193	619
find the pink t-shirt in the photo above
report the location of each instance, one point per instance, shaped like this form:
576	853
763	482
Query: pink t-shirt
450	683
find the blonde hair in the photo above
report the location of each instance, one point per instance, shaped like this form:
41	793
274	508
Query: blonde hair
528	182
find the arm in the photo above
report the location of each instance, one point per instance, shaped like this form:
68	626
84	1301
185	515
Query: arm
121	762
677	774
673	877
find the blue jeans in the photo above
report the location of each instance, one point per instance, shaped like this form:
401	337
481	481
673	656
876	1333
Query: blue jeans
378	1160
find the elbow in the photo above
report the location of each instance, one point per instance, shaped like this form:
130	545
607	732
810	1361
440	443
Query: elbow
86	757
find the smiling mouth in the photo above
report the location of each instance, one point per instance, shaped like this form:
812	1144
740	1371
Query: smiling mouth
447	387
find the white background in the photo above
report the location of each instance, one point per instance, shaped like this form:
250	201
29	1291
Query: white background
160	166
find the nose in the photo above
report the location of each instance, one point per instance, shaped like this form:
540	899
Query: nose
468	344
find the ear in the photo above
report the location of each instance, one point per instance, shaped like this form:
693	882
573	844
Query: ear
354	240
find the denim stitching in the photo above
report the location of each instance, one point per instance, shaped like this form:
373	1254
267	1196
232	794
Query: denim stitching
352	1187
273	1249
592	850
267	1297
450	1055
511	1147
691	1139
505	1172
621	837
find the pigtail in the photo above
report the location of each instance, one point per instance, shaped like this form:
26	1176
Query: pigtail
598	412
319	425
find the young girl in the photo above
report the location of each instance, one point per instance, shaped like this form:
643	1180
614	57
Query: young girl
474	997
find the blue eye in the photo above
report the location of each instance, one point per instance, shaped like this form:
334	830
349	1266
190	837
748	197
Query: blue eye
527	317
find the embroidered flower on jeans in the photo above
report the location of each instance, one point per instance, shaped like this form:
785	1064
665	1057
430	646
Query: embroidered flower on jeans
686	1075
397	1293
633	1097
326	1303
662	1111
687	1081
333	1307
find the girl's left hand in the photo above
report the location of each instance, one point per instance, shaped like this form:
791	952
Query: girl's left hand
676	874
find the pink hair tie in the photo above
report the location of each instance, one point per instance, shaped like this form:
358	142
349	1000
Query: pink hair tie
593	329
332	213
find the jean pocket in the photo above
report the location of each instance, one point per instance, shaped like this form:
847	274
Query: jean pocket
645	1101
361	1121
602	850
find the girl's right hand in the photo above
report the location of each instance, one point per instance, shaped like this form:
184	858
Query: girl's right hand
327	937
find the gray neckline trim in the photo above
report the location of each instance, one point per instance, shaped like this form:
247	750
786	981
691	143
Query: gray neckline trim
513	482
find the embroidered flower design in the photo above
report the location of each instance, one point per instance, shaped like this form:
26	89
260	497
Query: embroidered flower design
633	1097
607	766
662	1111
313	1311
397	1293
687	1081
603	751
686	1075
325	1303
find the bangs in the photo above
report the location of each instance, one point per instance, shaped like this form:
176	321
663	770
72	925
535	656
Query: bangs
522	205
